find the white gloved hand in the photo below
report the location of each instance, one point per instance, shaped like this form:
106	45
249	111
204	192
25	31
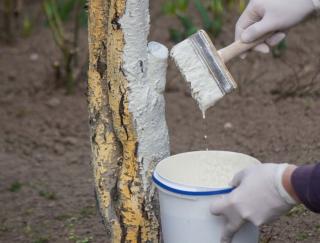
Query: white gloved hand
268	16
259	197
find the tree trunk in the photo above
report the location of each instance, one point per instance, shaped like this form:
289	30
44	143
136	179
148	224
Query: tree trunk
126	114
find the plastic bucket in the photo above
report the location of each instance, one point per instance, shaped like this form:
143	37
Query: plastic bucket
188	184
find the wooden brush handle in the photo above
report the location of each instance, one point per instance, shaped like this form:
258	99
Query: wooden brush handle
237	48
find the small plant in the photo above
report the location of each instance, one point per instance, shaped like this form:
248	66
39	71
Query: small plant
27	26
62	217
302	236
42	239
212	13
179	9
57	13
297	210
279	49
78	239
15	186
87	211
84	240
72	236
3	228
48	195
217	9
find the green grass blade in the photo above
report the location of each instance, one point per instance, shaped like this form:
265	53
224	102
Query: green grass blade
182	5
207	22
186	22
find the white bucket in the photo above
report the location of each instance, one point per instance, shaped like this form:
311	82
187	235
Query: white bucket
188	183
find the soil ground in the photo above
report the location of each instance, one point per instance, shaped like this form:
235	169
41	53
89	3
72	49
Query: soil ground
46	184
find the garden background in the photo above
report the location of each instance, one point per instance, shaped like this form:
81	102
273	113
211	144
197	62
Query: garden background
46	181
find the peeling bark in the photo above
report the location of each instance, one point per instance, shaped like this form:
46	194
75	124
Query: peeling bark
122	157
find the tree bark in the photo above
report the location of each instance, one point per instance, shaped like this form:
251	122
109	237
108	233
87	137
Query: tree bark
126	114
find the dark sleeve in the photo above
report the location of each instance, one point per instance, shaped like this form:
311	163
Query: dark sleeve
306	183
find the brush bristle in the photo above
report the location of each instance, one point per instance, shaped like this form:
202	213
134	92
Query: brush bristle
204	87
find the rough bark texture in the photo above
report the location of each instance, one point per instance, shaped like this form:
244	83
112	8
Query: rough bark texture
105	146
123	201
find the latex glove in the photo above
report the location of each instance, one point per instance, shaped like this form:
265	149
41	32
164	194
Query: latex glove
267	16
259	197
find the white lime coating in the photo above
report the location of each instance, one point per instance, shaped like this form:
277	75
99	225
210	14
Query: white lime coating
157	65
203	169
145	68
204	88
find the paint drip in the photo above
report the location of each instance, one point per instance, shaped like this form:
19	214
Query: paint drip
205	131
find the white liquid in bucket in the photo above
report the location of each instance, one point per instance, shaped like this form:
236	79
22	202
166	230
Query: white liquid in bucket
208	169
188	184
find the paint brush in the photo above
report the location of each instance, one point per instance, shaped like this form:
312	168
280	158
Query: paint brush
203	67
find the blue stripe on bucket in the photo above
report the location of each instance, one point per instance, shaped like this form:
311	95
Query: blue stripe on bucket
191	193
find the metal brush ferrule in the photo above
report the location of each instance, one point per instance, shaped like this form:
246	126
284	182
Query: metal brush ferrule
208	54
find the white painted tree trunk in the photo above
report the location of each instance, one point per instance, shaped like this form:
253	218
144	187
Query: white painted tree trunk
134	135
145	68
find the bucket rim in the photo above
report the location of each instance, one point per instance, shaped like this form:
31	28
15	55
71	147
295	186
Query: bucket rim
172	187
190	192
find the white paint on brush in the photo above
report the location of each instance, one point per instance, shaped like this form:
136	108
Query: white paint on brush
204	88
145	68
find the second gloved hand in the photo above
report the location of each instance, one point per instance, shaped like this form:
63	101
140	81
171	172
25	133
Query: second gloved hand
259	197
267	16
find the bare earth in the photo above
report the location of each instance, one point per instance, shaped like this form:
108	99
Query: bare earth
46	184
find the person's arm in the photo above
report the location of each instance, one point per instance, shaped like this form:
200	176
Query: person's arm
272	16
287	182
265	192
305	182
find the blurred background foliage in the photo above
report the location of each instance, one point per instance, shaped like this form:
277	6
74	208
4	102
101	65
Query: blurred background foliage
65	18
211	12
59	13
